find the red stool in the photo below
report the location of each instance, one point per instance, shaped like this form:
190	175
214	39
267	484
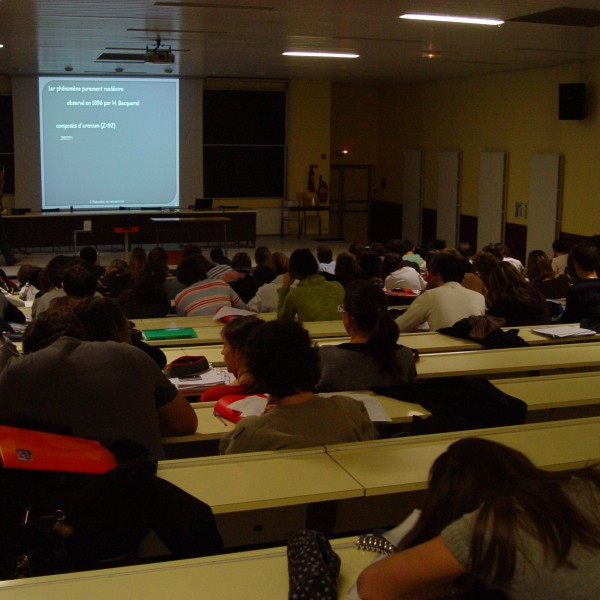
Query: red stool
126	231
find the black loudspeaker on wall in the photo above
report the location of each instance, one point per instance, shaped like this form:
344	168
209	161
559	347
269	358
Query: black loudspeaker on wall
571	101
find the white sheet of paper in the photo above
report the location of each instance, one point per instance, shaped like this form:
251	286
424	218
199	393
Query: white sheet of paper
395	537
374	407
231	311
207	379
564	331
250	406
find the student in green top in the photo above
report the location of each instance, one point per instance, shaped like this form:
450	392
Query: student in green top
314	299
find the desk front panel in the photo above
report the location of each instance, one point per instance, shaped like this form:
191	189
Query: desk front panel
257	574
56	229
402	465
261	480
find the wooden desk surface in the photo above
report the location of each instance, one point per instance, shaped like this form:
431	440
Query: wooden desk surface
256	574
509	360
554	391
333	332
212	427
262	479
402	464
459	363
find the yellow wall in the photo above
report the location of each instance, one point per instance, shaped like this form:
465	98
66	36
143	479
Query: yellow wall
516	112
309	131
354	124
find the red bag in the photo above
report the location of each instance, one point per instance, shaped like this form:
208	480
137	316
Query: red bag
186	366
222	406
40	451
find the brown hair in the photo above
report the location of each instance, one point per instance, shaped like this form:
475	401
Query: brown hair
366	303
506	284
539	267
511	494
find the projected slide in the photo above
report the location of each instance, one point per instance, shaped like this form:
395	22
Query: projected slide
107	143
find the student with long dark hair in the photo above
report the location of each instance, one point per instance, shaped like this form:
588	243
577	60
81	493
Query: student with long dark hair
492	517
511	297
373	356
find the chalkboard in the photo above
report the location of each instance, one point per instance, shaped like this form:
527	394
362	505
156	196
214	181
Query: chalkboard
244	134
7	157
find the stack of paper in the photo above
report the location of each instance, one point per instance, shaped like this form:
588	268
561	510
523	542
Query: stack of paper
564	331
203	381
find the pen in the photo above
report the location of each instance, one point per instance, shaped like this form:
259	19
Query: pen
220	419
191	377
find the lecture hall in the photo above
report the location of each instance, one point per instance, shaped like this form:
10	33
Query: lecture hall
292	287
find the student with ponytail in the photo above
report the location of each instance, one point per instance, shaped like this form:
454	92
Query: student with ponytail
373	356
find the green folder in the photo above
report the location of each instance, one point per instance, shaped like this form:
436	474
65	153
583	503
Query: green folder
173	333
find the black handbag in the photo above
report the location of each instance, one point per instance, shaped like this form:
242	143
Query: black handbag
313	567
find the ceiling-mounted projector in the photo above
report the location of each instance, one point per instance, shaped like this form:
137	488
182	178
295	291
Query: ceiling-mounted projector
159	55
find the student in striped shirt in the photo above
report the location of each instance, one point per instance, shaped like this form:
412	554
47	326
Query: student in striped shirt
202	296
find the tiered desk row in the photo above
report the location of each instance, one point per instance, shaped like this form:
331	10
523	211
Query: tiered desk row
556	377
259	498
244	485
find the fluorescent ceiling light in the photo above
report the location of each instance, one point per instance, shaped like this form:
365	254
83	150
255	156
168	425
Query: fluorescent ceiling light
449	19
322	54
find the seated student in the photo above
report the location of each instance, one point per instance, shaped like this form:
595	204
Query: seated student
484	262
543	278
137	261
583	297
262	256
506	256
220	264
511	297
370	264
266	299
560	253
325	258
104	321
26	279
239	277
116	279
347	269
314	299
51	279
218	256
446	304
79	281
285	363
470	280
101	390
146	298
399	274
202	296
372	357
409	254
89	255
491	517
236	335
